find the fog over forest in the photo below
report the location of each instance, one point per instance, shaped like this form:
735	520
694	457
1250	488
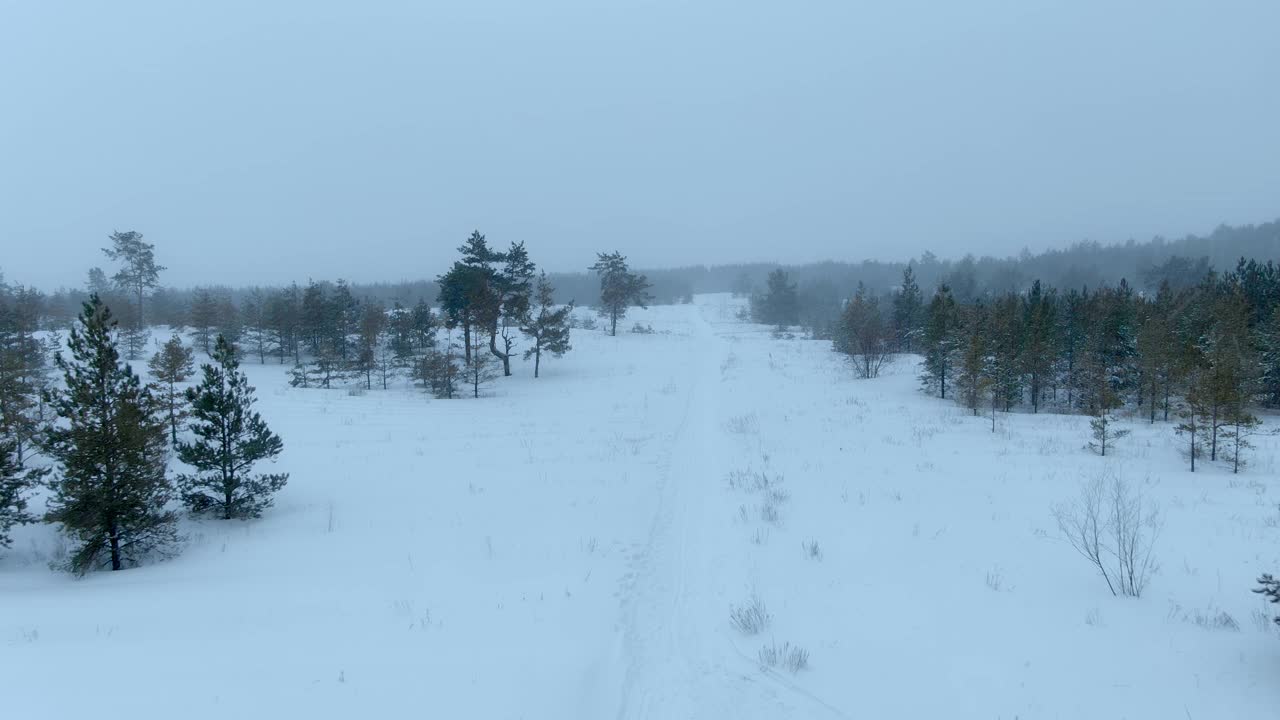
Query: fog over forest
569	360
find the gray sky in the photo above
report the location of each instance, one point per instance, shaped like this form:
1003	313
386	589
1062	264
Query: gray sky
268	141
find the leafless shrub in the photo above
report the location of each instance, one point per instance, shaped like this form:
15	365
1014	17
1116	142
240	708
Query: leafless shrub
786	656
747	424
752	618
769	510
995	580
1209	618
812	551
752	481
1112	528
760	536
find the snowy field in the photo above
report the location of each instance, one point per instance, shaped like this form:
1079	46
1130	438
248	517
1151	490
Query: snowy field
572	547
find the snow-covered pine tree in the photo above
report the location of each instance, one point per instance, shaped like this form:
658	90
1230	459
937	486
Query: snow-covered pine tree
110	489
172	365
548	326
230	438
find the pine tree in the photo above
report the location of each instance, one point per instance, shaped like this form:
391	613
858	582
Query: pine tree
513	288
424	325
469	294
549	327
23	374
1193	412
861	334
1268	341
482	368
972	363
1269	587
438	370
110	489
939	340
1073	333
779	305
281	316
314	317
1240	425
172	365
1157	352
1039	313
619	288
908	306
230	438
16	484
138	274
373	321
343	322
256	333
1006	334
203	319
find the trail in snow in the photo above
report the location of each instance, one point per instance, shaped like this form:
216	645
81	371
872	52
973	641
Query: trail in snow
663	655
678	662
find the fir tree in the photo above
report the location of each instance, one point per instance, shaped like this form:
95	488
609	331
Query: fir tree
230	438
110	488
548	328
172	365
619	287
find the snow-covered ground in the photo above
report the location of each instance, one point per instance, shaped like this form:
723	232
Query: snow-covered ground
572	546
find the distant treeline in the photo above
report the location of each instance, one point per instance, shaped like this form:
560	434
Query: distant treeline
822	287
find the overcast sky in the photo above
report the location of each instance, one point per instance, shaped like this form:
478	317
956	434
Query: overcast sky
258	142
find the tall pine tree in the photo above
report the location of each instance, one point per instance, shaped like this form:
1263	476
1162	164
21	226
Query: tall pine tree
110	489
